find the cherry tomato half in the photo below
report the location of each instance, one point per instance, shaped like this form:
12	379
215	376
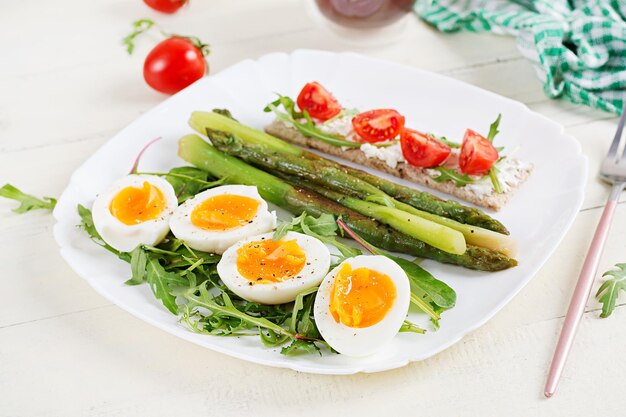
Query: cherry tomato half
378	125
165	6
173	64
318	102
477	154
423	151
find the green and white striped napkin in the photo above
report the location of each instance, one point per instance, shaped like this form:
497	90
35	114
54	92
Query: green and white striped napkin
577	46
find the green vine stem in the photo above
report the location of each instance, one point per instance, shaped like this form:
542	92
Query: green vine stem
142	26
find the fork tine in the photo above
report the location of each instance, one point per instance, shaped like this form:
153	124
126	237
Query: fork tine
618	136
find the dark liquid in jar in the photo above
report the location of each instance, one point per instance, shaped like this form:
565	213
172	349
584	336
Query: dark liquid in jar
364	14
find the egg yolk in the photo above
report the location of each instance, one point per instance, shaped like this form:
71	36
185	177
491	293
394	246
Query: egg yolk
134	205
361	297
269	261
224	211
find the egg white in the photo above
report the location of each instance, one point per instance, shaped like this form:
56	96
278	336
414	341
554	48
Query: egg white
217	241
353	341
314	270
124	237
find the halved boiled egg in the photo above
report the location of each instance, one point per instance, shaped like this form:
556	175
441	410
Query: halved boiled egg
215	219
134	210
361	304
268	271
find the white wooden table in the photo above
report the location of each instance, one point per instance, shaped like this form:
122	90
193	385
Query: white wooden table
67	85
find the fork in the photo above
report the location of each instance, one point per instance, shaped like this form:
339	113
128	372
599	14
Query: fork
613	171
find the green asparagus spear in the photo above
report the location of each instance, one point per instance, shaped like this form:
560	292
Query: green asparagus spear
196	151
473	234
201	121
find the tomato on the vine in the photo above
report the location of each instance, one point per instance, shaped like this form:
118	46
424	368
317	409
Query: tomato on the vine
477	154
423	151
174	64
166	6
318	102
378	125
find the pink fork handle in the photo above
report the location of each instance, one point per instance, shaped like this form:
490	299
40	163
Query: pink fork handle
579	298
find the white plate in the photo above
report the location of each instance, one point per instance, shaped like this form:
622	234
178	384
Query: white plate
538	216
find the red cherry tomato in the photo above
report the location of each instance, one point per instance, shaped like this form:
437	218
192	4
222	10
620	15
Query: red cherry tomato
173	64
165	6
421	150
477	154
318	102
378	125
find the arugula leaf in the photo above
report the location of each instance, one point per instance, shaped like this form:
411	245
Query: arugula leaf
86	222
278	314
456	145
292	225
443	139
493	172
459	179
226	314
407	326
323	228
493	129
299	306
282	230
162	282
216	324
495	181
308	127
27	202
300	346
187	181
440	293
609	291
227	319
138	263
386	144
306	326
324	225
307	337
288	104
428	293
328	238
434	321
